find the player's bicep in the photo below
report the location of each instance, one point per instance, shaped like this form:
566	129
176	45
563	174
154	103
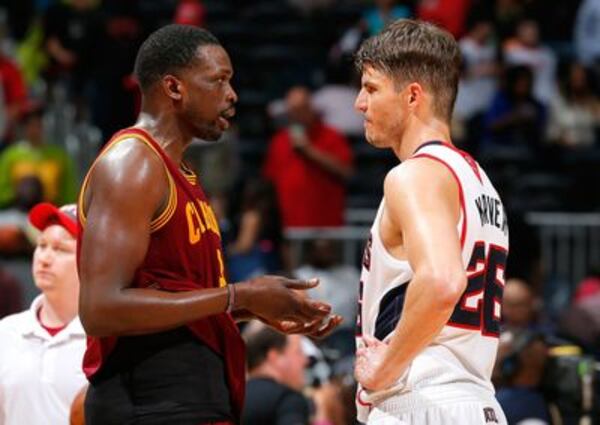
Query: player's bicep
125	196
423	201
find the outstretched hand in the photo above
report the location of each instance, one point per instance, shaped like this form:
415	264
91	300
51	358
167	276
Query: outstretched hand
275	301
316	329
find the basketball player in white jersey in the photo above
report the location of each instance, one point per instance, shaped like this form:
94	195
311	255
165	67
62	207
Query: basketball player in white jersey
433	269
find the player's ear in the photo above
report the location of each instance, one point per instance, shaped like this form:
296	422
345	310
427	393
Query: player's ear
172	86
414	94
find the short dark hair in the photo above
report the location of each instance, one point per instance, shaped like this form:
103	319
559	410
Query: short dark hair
169	49
409	50
259	343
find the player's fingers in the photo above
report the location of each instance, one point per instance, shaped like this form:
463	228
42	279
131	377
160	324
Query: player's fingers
301	284
312	310
291	327
328	327
371	341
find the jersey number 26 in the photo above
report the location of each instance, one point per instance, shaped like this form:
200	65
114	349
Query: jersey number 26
479	308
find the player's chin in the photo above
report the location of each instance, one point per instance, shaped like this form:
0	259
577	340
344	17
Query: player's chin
212	134
374	141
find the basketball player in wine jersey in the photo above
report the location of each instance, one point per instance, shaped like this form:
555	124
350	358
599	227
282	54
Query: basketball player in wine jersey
163	347
433	269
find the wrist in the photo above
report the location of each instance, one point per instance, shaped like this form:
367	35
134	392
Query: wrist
241	295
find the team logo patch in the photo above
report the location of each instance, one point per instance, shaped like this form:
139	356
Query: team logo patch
490	415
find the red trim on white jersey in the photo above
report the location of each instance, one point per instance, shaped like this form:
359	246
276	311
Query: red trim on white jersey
463	231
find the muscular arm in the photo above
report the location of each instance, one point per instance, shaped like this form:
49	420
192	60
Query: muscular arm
127	188
422	201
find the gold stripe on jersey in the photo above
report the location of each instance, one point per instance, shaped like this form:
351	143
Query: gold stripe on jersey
168	210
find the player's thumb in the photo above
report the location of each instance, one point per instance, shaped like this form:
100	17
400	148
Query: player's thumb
301	284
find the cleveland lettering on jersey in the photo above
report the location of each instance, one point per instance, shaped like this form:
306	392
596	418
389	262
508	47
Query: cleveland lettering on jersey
491	212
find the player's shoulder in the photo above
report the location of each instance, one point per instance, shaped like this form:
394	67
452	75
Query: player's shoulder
130	159
417	171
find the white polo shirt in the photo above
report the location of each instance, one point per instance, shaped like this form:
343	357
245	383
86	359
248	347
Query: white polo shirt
40	375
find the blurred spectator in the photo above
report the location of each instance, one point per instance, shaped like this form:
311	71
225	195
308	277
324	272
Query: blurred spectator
335	100
329	406
32	156
310	6
114	92
526	49
257	247
15	232
575	111
338	284
587	32
382	13
11	300
276	365
521	362
449	14
72	30
42	348
480	69
515	117
589	286
507	14
13	95
373	20
581	321
308	163
518	306
190	12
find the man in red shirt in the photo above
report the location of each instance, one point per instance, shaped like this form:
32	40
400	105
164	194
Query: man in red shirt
309	164
14	93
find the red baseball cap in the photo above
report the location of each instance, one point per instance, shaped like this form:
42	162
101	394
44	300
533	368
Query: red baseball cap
45	214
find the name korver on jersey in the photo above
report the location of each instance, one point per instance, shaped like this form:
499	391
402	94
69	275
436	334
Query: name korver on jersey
491	212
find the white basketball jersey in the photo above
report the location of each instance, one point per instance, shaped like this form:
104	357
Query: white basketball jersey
465	350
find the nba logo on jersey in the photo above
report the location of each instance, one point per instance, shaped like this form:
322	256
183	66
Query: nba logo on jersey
490	415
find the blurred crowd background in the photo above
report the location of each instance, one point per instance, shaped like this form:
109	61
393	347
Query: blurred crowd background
295	185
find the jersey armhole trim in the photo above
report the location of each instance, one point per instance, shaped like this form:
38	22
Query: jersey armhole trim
167	211
461	195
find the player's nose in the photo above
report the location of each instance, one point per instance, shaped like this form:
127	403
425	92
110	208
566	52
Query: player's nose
360	104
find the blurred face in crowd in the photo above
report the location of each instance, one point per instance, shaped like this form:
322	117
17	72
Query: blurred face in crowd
528	33
384	107
518	304
299	107
385	4
54	263
34	129
578	78
323	253
482	32
82	4
206	97
291	362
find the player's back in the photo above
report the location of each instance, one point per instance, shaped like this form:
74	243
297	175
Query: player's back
460	360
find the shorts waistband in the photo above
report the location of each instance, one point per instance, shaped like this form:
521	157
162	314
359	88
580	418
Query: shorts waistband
435	396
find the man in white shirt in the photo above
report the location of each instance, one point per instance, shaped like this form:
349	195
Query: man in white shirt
41	349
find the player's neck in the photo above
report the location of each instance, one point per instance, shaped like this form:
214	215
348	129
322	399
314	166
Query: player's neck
419	131
166	131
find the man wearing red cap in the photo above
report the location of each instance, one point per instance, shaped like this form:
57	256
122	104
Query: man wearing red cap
42	348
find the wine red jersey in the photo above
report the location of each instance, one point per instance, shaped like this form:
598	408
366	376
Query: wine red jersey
184	254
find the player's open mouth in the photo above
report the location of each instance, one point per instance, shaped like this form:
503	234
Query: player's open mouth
224	118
